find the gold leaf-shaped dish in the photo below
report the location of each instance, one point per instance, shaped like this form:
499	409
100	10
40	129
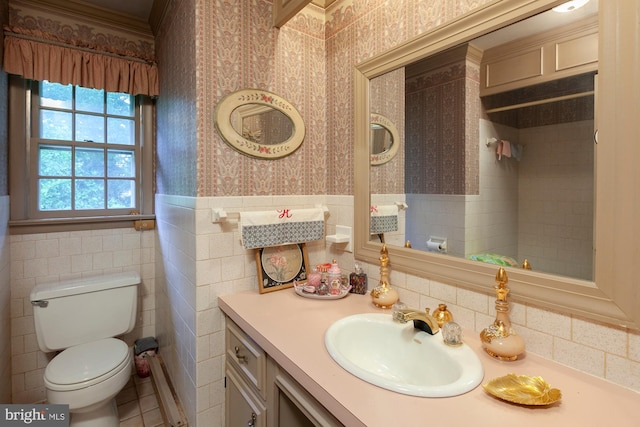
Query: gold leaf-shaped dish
523	389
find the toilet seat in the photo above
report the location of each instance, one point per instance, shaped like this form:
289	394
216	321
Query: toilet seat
87	364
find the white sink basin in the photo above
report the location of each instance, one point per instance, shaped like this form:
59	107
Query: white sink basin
400	358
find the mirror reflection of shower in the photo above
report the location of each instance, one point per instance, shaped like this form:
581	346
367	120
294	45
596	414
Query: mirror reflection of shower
528	195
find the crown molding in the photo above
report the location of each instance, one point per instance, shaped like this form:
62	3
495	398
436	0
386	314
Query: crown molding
158	15
97	14
323	3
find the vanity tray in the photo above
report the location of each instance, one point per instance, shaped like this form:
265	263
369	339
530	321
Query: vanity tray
300	291
523	390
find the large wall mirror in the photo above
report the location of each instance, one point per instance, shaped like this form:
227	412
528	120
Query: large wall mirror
503	164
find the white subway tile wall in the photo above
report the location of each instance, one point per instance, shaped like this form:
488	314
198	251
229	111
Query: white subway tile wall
6	304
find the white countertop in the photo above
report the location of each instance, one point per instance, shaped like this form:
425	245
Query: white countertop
291	329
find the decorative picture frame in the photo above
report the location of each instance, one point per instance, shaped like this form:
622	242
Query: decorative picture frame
279	266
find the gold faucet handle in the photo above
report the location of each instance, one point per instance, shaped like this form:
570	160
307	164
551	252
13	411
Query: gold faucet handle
400	316
442	315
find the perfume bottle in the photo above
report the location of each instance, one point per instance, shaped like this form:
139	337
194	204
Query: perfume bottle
383	295
358	280
334	278
315	278
499	340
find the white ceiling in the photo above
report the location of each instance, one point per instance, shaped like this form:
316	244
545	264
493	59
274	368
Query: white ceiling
536	24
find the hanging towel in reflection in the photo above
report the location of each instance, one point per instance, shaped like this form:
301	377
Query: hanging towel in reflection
261	229
504	149
384	218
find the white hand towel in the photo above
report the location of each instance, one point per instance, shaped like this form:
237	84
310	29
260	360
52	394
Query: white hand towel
261	229
384	218
384	210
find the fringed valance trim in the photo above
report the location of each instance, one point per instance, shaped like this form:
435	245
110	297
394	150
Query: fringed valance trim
81	36
67	64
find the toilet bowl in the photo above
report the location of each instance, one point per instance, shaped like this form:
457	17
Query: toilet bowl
81	318
87	377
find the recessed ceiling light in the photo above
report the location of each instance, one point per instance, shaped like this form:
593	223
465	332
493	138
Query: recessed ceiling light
570	6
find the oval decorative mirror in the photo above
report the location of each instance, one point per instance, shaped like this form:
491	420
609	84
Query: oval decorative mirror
259	123
385	139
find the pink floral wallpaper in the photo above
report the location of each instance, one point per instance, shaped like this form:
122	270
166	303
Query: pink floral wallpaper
309	61
387	93
357	30
442	127
177	159
239	48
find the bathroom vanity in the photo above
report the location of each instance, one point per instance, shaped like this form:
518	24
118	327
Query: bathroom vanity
281	335
260	393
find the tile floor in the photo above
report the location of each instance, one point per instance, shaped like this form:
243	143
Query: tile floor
138	405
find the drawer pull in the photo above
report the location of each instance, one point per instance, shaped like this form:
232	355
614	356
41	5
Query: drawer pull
252	421
241	358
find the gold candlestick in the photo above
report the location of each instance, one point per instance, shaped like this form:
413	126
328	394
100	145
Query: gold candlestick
499	339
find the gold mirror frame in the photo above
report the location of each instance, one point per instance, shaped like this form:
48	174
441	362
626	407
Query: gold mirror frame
258	97
387	124
612	297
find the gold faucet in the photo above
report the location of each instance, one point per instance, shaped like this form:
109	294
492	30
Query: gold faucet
421	319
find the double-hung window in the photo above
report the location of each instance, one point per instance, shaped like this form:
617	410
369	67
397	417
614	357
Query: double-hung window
83	153
87	152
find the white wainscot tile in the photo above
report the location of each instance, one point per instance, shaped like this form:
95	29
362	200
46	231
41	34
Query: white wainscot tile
91	244
472	300
537	342
47	248
607	338
634	345
418	284
549	322
442	291
623	371
579	356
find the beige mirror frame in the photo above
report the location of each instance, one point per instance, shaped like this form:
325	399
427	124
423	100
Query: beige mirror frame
257	97
613	297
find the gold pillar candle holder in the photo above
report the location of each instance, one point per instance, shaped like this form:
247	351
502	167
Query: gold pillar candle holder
383	295
499	340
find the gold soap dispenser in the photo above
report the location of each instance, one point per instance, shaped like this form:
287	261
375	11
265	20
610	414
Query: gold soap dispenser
499	339
383	295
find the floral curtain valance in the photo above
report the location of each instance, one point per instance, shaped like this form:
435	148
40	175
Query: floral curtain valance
41	59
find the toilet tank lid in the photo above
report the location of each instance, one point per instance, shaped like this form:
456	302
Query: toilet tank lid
83	285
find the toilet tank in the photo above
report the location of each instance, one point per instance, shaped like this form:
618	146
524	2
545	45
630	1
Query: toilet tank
73	312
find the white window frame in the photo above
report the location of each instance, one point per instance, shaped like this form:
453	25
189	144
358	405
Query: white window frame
23	168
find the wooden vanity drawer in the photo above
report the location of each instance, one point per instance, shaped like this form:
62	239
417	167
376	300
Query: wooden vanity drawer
242	406
246	356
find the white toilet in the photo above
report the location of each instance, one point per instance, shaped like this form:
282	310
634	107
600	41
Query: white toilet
81	318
